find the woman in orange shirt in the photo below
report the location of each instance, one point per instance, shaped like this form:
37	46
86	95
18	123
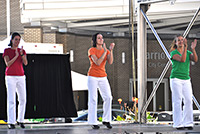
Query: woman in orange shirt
97	79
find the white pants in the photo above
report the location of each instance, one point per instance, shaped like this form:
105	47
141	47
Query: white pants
182	92
15	84
101	83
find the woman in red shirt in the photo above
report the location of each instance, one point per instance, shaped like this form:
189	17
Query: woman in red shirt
97	79
14	58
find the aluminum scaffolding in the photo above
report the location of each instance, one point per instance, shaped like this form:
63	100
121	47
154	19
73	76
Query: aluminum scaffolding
142	61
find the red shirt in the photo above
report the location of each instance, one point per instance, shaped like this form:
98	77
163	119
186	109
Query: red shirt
95	70
16	69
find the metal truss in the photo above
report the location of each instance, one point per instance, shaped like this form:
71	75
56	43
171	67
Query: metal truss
143	111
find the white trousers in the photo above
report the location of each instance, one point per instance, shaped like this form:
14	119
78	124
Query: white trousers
15	84
182	92
101	83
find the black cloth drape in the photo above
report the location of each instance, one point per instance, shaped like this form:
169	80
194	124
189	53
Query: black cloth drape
49	87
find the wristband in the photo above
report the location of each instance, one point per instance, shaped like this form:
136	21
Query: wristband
22	54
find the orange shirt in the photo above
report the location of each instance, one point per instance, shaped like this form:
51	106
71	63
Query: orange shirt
95	70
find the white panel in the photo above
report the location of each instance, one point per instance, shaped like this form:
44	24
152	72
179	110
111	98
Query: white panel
72	9
72	12
70	25
33	6
93	4
177	7
23	1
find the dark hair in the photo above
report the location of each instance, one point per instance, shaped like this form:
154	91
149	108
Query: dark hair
173	45
12	37
94	39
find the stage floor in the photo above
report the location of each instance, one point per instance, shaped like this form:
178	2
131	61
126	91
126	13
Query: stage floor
84	128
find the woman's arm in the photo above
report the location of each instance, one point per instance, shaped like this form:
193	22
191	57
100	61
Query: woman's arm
9	62
110	56
100	60
181	58
24	59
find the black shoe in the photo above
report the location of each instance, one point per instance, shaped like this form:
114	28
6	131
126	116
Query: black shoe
180	128
95	127
11	126
189	128
107	124
21	124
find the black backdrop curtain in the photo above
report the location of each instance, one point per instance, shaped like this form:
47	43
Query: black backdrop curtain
49	87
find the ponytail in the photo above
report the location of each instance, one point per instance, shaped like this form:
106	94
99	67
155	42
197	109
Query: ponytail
173	45
10	44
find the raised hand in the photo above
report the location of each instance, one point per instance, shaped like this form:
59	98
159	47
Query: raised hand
193	44
112	45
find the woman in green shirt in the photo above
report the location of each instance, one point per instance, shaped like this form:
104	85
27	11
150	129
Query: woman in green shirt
180	83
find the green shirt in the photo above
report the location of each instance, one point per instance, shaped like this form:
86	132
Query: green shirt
180	70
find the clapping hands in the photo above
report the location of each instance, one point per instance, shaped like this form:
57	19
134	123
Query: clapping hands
112	45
